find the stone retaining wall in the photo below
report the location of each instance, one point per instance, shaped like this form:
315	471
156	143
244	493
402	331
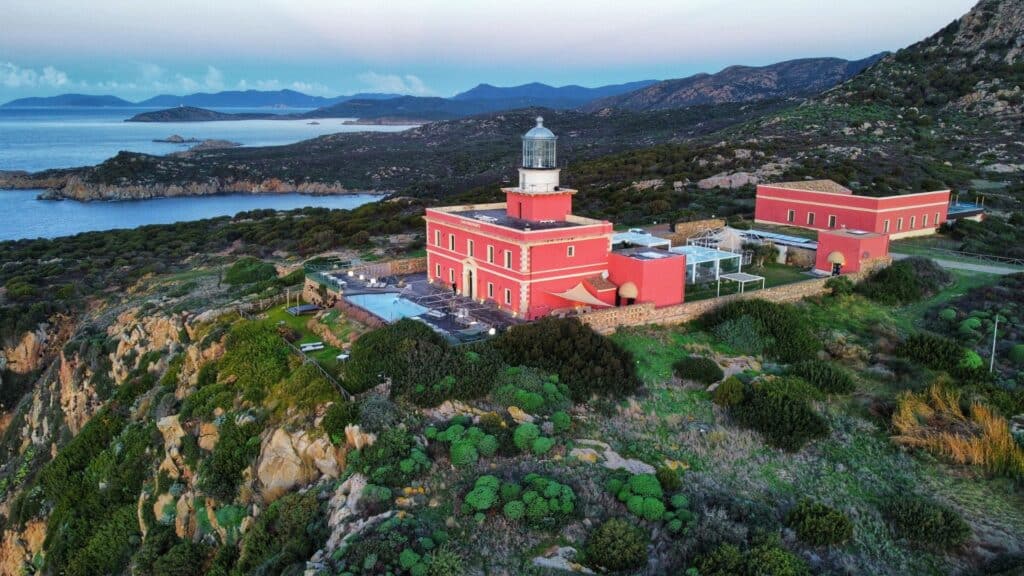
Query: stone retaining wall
607	321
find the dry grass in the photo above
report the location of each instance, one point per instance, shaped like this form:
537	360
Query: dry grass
934	420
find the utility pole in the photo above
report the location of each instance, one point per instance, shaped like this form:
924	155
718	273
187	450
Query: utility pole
992	360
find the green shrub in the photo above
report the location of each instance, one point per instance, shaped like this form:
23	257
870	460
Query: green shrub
463	453
785	325
824	376
905	281
941	353
531	389
948	314
729	393
1017	354
238	446
617	545
768	558
393	460
698	369
925	523
377	414
542	446
669	479
585	361
284	536
744	334
524	435
256	356
725	560
408	558
514	510
339	415
445	561
248	270
818	524
484	494
386	353
561	421
784	418
646	485
840	286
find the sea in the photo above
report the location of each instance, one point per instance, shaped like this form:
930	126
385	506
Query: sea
34	139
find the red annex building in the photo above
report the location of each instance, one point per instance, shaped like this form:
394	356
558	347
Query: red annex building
532	256
825	205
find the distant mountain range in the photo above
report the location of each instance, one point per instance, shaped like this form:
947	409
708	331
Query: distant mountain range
226	99
803	77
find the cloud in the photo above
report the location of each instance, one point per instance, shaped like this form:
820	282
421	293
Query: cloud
395	84
214	78
312	88
14	76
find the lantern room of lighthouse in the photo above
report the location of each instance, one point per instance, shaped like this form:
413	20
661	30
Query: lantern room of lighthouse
539	195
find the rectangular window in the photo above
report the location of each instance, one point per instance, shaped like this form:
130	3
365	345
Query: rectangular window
913	222
810	218
570	251
508	296
885	227
437	237
791	216
490	289
490	254
924	221
437	271
899	224
469	247
937	222
451	275
831	221
451	242
508	259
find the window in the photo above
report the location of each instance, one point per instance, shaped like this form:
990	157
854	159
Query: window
899	224
508	296
913	222
437	237
437	270
791	216
451	242
570	251
469	247
490	289
924	221
937	222
490	254
810	218
451	275
885	227
831	221
508	259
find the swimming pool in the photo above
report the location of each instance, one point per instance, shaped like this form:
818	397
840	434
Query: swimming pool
389	307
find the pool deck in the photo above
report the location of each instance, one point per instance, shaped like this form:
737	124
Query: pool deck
437	299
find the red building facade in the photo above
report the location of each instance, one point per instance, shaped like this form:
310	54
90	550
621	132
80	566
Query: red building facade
846	251
825	205
531	256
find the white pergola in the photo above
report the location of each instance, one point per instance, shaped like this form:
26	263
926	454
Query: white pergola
645	239
696	255
741	278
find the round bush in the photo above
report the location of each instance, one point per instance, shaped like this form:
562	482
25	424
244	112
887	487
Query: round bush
948	314
561	421
818	524
487	445
377	414
524	435
824	376
1017	354
698	369
542	446
925	523
463	453
645	485
729	393
514	510
617	545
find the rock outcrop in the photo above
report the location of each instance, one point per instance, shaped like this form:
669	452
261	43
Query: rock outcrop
288	460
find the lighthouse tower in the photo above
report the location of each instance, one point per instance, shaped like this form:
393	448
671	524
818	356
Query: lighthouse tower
539	196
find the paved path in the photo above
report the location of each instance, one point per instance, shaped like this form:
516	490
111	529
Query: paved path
970	266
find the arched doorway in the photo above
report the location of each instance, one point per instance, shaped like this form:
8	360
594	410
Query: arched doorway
469	279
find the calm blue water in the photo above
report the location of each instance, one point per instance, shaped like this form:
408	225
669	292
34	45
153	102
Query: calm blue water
23	216
389	307
36	139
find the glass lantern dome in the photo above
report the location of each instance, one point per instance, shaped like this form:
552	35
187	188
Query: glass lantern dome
539	147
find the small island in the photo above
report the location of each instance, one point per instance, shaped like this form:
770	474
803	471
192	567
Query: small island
193	114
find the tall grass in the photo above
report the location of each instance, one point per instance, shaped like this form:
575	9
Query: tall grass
934	420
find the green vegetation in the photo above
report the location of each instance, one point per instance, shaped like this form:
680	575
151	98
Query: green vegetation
824	376
925	523
617	545
698	369
249	271
818	524
787	334
780	410
905	281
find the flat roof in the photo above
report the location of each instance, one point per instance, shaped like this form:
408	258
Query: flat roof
702	254
640	239
780	238
646	253
813	186
850	233
741	277
964	207
499	217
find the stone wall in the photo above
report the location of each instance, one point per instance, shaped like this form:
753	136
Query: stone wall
608	320
394	267
684	230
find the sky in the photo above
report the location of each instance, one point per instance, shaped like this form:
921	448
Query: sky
137	49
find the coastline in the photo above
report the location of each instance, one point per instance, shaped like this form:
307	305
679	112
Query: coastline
73	187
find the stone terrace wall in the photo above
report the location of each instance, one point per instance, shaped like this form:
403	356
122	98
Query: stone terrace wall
685	230
395	267
607	321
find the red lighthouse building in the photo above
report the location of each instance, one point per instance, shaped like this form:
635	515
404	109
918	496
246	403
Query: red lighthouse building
532	256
